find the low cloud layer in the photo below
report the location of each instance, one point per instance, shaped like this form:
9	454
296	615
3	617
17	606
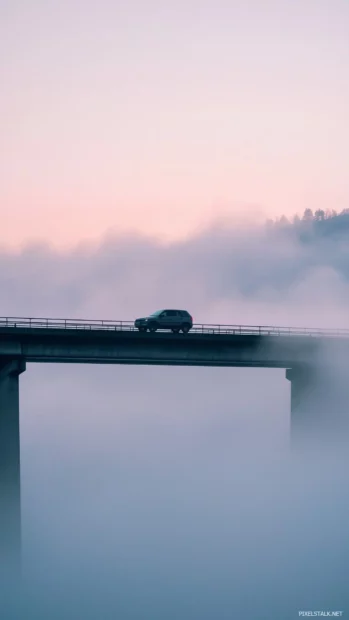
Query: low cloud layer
252	275
170	492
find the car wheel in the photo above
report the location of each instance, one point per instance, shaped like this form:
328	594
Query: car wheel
153	327
185	328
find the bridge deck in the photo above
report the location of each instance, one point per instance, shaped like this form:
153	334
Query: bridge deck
7	323
118	342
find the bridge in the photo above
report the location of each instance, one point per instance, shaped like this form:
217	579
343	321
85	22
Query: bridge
318	399
113	342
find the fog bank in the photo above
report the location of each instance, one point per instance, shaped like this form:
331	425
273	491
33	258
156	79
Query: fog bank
171	492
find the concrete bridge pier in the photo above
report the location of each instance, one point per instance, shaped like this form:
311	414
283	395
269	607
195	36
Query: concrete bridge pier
10	490
319	406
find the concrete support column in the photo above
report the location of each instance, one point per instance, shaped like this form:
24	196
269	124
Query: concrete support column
319	406
10	490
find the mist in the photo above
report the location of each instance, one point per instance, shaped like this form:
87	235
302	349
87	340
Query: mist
158	492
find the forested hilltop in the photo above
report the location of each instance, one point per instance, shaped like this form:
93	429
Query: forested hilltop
317	223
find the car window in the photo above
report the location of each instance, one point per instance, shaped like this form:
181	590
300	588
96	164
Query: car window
171	313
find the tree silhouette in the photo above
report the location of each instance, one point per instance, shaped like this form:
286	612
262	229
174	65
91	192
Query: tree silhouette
308	215
319	215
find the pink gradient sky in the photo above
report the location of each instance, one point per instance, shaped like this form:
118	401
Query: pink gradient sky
154	116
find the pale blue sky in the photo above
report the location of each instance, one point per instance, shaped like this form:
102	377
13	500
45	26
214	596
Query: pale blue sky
156	116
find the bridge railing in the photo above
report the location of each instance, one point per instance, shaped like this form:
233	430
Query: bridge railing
57	323
112	325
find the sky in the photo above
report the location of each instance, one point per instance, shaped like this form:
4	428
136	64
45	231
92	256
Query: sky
158	117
